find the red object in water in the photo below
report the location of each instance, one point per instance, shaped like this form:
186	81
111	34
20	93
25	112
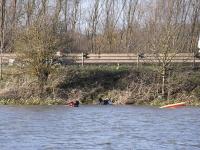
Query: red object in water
174	105
71	104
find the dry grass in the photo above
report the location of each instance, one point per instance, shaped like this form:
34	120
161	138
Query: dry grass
32	101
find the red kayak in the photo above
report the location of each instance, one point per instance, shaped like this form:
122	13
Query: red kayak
174	105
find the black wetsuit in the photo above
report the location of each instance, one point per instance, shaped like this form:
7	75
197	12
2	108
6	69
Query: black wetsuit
106	102
76	104
100	100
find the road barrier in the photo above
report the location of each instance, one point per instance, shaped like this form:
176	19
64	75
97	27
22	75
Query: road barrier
131	58
123	58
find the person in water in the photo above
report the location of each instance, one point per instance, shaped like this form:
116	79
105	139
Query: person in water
76	104
100	100
106	101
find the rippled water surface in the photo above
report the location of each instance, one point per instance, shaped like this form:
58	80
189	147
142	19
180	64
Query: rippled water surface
99	128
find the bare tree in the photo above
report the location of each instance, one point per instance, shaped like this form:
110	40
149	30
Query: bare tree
66	13
10	25
36	47
94	17
3	11
132	6
14	11
76	4
43	10
194	28
57	13
29	11
109	23
167	36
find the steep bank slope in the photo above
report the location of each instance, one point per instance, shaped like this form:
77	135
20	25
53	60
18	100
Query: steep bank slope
124	85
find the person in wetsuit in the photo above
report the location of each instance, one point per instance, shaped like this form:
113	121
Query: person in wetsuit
76	104
106	101
100	101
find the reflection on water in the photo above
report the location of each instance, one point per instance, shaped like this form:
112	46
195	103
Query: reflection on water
98	128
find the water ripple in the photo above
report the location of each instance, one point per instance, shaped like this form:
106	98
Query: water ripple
98	128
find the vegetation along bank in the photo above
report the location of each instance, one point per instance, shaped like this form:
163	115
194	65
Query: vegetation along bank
124	85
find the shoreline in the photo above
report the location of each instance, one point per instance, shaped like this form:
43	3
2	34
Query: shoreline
46	102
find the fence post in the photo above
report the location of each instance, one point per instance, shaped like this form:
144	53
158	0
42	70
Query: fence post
138	60
193	65
82	57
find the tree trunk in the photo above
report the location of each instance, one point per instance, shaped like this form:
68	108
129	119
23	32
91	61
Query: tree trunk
75	15
65	15
164	94
56	14
3	4
42	81
14	11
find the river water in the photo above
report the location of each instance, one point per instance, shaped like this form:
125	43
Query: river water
99	128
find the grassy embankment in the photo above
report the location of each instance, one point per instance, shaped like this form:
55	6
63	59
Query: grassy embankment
126	85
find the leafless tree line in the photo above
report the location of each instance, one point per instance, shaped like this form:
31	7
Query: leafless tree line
99	26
